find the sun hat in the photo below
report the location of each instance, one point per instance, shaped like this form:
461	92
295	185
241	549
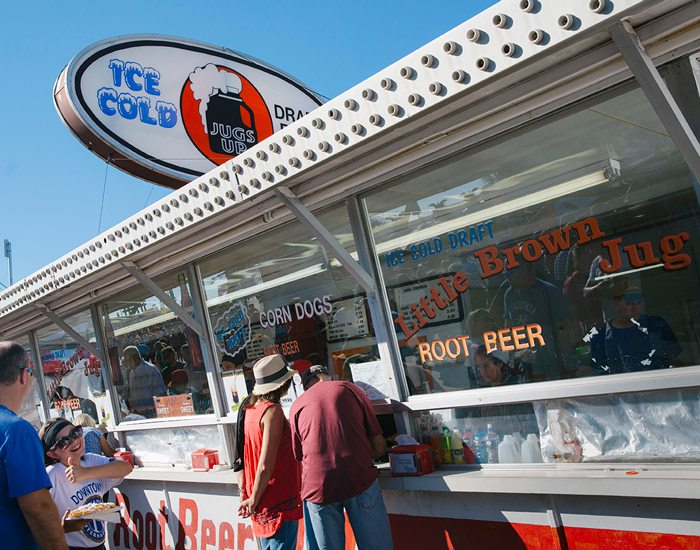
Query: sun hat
270	373
311	373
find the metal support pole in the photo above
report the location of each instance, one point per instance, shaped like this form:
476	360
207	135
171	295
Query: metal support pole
314	225
218	400
377	301
172	305
55	319
39	375
657	93
102	344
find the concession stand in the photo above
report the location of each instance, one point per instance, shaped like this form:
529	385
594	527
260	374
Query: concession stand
494	237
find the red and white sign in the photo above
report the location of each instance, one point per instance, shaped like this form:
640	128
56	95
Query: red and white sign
168	109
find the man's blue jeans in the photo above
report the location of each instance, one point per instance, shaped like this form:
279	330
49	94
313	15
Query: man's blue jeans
325	523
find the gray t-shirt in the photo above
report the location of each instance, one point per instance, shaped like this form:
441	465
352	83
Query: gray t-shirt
72	495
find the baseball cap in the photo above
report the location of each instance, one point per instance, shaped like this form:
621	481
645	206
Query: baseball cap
312	372
629	291
178	376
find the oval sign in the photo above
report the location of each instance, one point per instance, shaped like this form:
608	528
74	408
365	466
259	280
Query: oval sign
168	110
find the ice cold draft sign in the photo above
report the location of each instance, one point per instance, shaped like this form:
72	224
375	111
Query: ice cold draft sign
173	107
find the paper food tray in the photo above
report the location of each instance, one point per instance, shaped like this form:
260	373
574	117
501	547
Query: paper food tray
112	516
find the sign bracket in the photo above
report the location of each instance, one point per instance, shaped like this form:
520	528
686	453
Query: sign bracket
172	305
55	319
314	225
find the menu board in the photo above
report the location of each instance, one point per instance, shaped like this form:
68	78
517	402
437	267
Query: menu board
348	319
260	340
411	293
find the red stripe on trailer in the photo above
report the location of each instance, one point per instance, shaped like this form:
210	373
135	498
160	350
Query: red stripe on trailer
454	534
579	538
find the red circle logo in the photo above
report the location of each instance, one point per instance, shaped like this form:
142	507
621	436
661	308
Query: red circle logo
222	112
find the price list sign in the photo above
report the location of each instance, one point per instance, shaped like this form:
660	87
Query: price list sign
348	319
411	294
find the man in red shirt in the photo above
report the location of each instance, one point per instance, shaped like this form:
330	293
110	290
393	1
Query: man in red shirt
336	437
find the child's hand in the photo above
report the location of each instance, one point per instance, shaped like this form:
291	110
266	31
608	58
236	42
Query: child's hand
75	472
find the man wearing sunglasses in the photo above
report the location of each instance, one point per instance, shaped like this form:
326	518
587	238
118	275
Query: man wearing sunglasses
28	516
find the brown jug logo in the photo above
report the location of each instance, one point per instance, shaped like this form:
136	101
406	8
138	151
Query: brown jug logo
223	114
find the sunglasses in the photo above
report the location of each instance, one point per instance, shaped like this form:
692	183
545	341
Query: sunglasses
29	369
66	440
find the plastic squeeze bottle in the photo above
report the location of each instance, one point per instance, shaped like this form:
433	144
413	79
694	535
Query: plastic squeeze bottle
457	447
446	446
492	440
507	451
518	440
435	444
531	452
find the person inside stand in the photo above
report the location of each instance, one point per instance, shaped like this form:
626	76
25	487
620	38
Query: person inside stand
145	382
28	517
271	478
493	368
78	478
95	440
531	300
169	364
195	370
633	341
180	385
336	437
479	321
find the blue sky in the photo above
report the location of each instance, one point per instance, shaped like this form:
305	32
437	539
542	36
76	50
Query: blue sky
52	186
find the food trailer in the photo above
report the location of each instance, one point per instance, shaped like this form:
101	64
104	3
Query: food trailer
494	237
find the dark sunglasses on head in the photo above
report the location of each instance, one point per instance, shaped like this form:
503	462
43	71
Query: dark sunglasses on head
29	369
66	440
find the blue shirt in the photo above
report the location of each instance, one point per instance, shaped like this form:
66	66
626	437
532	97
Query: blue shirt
145	382
544	304
22	471
92	437
648	346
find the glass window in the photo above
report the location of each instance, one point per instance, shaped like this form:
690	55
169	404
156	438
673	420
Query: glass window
74	378
653	426
157	366
280	292
173	447
565	251
31	408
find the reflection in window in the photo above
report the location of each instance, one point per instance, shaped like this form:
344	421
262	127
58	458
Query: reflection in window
281	293
73	377
563	252
156	359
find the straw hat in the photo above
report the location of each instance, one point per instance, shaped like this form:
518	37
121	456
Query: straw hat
270	373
